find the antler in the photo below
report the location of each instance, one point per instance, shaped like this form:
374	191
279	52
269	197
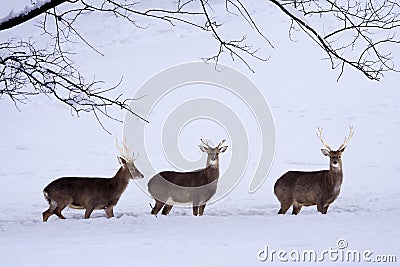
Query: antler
124	150
346	139
220	144
322	140
206	144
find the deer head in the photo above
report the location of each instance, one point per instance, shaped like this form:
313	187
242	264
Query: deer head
335	155
127	160
212	152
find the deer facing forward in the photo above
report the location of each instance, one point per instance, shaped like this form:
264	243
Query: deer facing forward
195	187
91	193
321	188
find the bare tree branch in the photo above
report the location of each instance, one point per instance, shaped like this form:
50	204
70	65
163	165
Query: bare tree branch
13	20
27	71
362	29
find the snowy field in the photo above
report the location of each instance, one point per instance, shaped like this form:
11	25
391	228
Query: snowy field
43	142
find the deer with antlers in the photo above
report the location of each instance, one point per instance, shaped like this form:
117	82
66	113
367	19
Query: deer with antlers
321	188
195	187
91	193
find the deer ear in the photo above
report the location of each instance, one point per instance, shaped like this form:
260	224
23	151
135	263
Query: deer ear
325	152
341	150
121	160
203	148
222	149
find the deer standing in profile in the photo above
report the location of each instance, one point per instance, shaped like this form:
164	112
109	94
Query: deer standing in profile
321	188
91	193
195	187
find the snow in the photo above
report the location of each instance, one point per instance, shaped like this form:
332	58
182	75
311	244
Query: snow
44	142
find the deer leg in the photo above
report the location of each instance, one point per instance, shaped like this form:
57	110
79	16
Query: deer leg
296	209
201	209
58	211
167	208
325	209
157	207
109	211
47	214
49	211
320	207
285	205
88	211
195	210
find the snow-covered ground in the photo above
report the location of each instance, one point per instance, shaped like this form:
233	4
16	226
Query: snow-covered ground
44	142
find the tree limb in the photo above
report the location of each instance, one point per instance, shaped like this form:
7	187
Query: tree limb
15	20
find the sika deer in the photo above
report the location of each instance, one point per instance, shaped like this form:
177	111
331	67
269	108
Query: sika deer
321	188
195	187
91	193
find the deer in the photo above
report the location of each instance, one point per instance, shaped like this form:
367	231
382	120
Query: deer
193	187
308	188
91	193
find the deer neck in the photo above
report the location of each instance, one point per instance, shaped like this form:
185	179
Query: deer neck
335	175
121	179
212	171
